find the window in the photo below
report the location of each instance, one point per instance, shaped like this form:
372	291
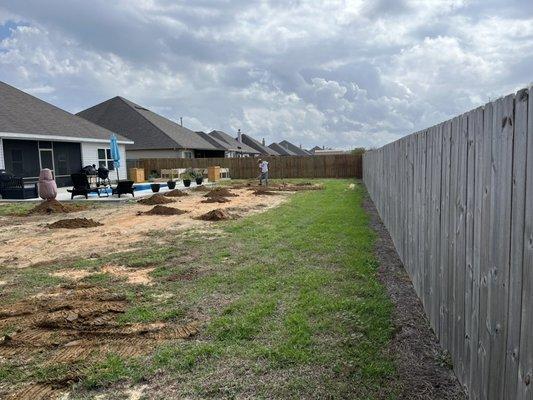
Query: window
16	161
187	154
105	160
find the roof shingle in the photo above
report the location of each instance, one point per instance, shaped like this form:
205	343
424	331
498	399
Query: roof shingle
21	112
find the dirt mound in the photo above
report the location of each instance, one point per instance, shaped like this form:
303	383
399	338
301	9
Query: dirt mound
215	215
76	323
55	207
176	193
263	192
200	189
163	210
216	199
74	223
220	192
155	200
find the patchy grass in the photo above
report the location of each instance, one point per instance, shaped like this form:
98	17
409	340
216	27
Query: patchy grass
18	208
288	300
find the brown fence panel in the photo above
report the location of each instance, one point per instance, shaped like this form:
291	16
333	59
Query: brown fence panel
323	166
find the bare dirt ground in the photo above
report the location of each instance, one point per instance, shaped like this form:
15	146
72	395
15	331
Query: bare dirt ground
424	372
27	240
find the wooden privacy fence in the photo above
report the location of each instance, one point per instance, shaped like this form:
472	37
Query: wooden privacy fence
327	166
457	199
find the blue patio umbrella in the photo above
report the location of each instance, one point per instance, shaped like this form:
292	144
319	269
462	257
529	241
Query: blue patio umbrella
115	153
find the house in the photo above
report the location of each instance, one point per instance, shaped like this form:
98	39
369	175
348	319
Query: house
35	135
154	136
282	151
315	149
293	148
233	147
260	147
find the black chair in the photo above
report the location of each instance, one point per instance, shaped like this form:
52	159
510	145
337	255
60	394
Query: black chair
124	187
81	186
13	187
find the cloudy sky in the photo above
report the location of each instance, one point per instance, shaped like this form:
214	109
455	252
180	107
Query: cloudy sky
335	73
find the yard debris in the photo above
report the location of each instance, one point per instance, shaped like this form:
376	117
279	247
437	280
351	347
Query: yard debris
176	193
216	199
77	323
220	192
215	215
163	210
156	199
55	207
74	223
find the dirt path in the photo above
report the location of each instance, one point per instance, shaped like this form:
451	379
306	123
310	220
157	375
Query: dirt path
27	240
420	360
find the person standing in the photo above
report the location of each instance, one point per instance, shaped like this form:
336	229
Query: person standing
263	168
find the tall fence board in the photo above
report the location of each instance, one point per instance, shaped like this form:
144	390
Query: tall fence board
323	166
457	199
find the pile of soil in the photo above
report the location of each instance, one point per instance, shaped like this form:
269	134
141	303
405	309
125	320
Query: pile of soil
216	199
75	323
163	210
215	215
263	192
175	193
74	223
155	200
220	192
55	207
200	189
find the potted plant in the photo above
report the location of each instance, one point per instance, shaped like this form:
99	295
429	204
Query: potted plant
198	177
155	187
188	176
171	184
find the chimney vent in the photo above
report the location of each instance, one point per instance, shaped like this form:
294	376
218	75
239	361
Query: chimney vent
239	136
181	121
264	144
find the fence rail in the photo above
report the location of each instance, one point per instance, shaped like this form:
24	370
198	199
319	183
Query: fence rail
326	166
457	199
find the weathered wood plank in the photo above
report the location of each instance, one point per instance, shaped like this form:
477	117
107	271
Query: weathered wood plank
525	360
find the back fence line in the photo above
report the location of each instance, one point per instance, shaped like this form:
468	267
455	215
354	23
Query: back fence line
457	199
323	166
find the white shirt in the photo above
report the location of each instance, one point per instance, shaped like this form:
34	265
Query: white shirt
264	166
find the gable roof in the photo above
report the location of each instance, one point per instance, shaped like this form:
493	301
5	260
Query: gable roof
148	129
315	149
251	142
232	144
295	149
282	151
22	113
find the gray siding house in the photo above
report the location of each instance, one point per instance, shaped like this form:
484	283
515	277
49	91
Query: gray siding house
35	134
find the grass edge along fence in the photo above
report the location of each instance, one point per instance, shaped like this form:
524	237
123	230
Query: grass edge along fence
323	166
457	199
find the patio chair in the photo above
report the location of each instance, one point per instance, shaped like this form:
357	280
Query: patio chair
81	186
124	187
13	187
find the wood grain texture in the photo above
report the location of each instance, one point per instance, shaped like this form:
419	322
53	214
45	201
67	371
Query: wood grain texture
457	199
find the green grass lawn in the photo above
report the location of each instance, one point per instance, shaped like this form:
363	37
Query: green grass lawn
289	300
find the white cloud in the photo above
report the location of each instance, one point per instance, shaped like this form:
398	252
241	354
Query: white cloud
336	73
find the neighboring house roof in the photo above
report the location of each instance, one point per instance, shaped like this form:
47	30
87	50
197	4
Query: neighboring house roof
148	129
295	149
282	151
23	115
315	149
265	150
232	144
